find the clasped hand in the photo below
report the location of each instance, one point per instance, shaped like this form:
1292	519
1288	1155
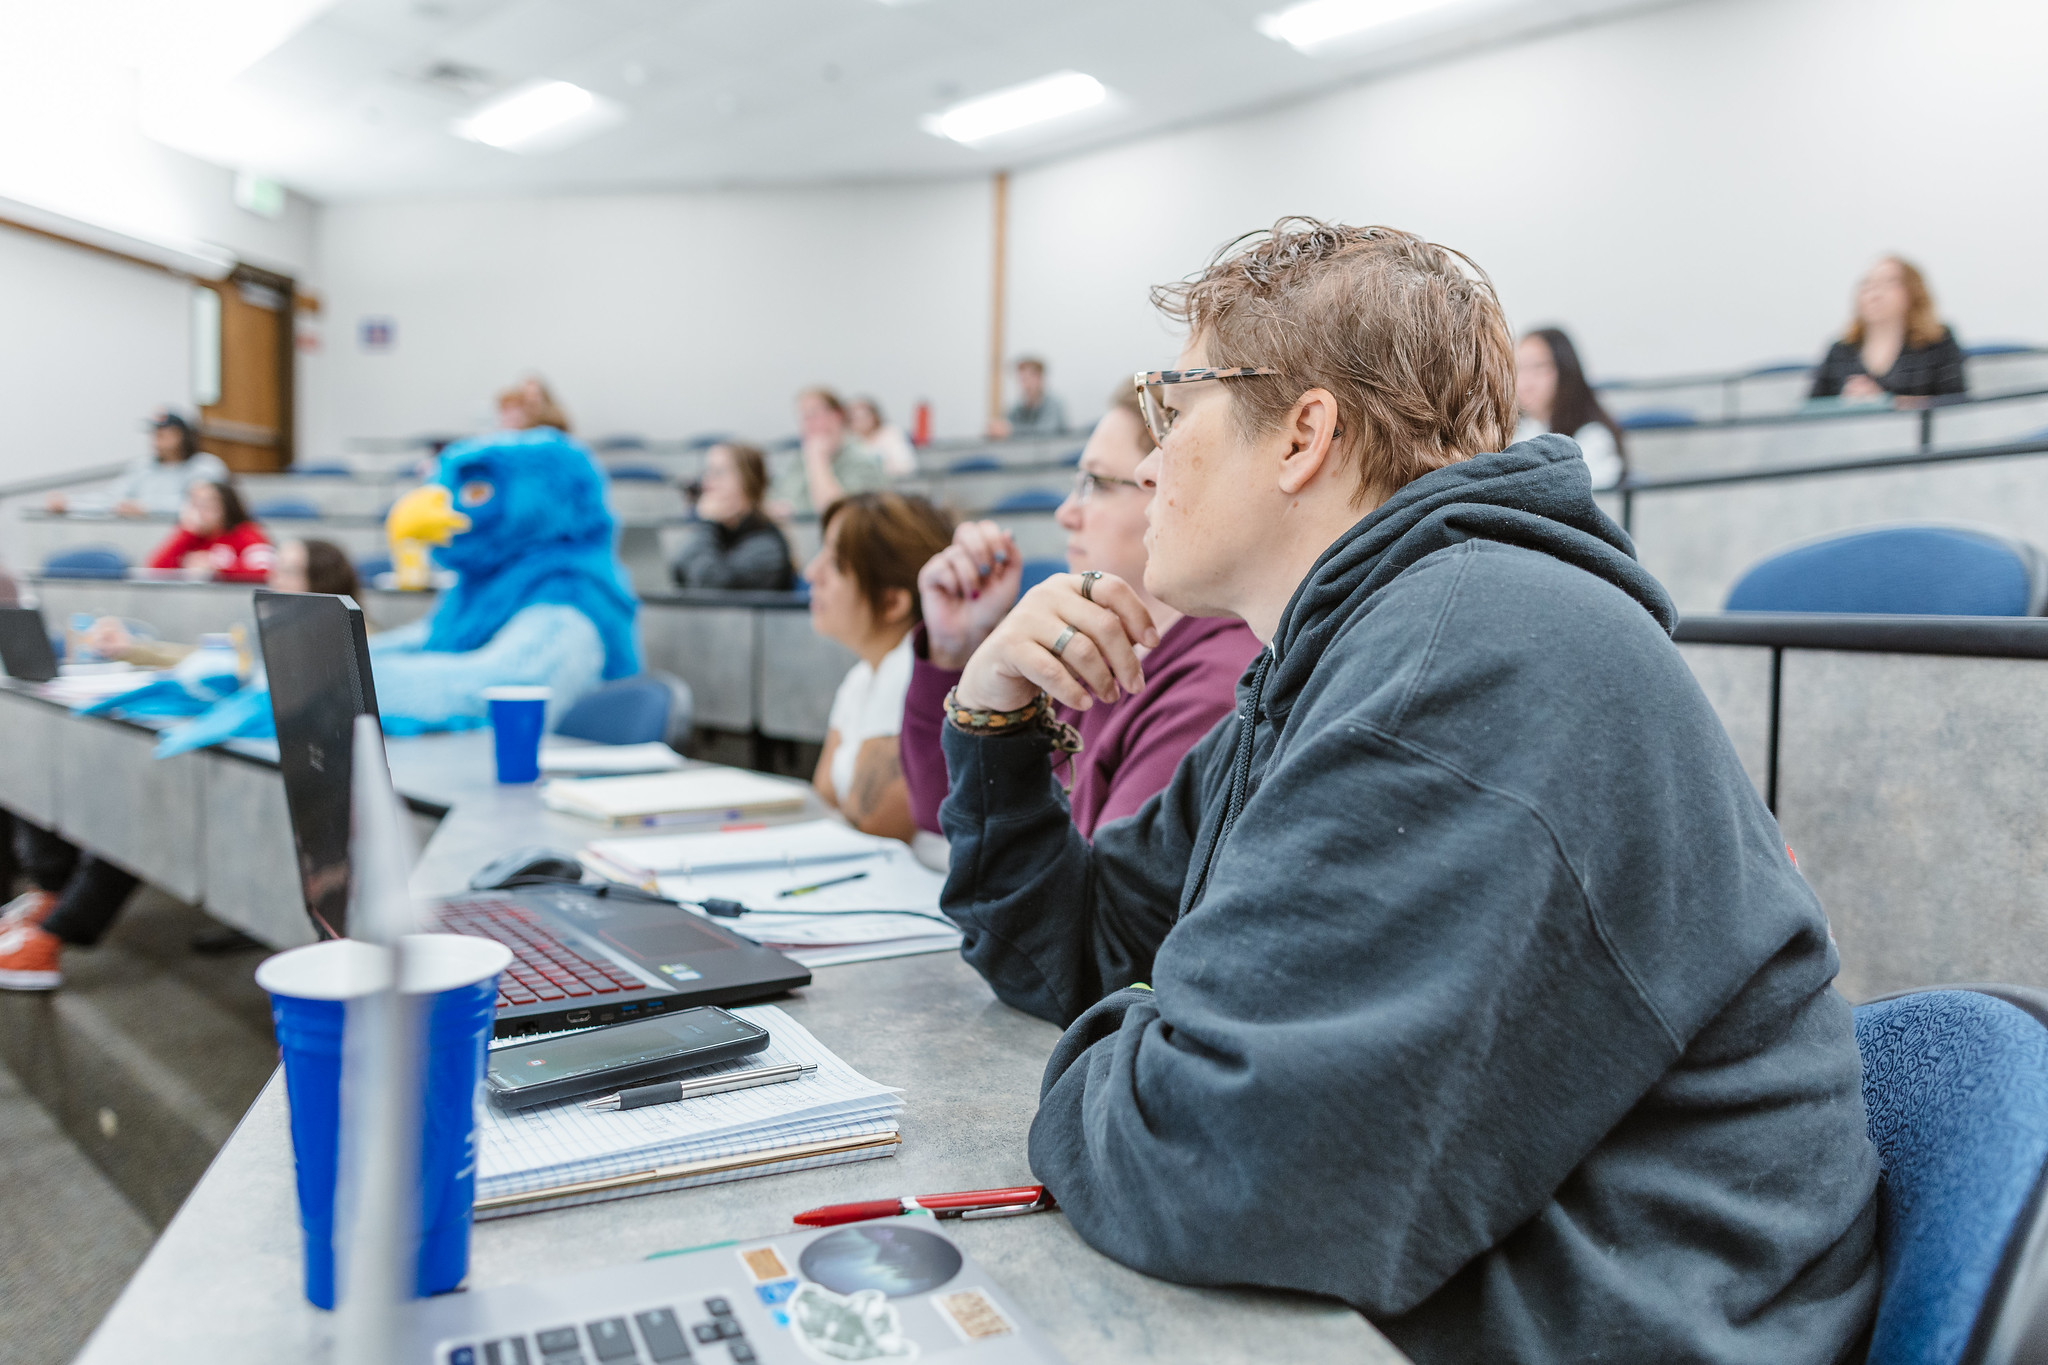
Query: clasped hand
967	591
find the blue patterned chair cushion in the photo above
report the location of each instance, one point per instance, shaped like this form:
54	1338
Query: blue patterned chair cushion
1957	1088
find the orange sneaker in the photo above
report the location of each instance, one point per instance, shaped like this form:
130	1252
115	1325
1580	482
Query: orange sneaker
28	959
30	907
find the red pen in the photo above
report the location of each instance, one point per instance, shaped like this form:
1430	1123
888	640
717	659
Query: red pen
965	1204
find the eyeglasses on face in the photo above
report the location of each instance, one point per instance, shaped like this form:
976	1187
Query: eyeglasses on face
1086	484
1151	400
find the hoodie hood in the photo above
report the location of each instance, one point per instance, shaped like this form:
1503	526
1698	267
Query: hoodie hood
1536	495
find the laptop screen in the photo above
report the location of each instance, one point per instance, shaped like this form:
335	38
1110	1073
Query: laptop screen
317	653
25	645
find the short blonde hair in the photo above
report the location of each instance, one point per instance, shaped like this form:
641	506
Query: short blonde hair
1407	335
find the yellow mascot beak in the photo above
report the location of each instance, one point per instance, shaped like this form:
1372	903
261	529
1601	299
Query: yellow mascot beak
426	514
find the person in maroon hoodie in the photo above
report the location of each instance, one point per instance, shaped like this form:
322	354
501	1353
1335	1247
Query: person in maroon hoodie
1129	747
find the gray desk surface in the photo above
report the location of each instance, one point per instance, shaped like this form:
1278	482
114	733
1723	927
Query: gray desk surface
222	1284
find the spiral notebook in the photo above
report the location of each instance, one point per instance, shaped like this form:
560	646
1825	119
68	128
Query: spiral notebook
555	1155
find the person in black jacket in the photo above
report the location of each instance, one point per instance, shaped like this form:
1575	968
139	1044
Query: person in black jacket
733	545
1461	975
1897	344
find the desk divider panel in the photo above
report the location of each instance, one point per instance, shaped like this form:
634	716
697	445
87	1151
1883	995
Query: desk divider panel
1911	788
1737	681
712	649
28	776
145	815
251	862
800	672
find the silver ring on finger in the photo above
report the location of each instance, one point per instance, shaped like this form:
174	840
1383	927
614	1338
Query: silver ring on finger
1088	587
1066	637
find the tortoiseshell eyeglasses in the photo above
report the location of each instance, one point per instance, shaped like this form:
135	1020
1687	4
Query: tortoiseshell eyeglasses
1151	402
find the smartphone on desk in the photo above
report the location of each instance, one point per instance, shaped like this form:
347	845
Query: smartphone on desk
618	1055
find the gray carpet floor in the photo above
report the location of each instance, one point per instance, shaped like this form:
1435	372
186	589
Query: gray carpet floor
70	1241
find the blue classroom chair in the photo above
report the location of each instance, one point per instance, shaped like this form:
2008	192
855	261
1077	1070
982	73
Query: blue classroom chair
1029	500
1997	348
1783	367
318	471
639	710
1652	419
636	473
369	567
622	441
974	464
1955	1082
87	561
1036	571
1900	570
286	509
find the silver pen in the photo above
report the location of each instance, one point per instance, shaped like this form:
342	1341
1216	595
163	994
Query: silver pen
668	1092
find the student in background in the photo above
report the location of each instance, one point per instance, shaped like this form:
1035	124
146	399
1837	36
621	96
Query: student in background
154	484
834	463
1461	975
74	898
886	442
1896	344
1129	748
313	566
216	533
864	595
529	404
1553	395
1036	412
732	544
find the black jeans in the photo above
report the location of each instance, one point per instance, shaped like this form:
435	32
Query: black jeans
90	891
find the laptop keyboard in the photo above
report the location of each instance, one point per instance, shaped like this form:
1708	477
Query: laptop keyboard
662	1338
544	967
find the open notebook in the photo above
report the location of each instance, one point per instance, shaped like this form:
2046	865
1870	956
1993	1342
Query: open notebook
838	923
555	1155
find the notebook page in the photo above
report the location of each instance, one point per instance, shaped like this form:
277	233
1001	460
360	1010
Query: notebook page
557	1143
805	843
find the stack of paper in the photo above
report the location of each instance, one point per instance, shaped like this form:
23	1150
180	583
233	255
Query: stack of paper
882	903
701	795
558	758
554	1155
81	685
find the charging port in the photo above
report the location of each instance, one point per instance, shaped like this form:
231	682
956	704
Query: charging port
577	1017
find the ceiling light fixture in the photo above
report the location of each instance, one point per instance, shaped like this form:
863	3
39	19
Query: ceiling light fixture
1314	22
542	113
1020	106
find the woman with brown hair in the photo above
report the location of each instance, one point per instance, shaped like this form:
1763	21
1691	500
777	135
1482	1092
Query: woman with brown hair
1897	344
529	404
864	595
732	545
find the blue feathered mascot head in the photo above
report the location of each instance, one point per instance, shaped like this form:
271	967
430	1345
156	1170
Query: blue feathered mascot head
520	517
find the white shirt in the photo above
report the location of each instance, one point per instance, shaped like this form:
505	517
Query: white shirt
159	487
892	448
1596	443
869	704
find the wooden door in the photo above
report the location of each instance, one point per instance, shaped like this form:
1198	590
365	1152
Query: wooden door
250	427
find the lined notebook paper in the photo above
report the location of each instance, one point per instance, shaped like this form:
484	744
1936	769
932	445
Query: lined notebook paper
562	1153
818	928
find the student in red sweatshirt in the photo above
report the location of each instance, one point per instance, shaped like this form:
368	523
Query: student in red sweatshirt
216	533
1129	748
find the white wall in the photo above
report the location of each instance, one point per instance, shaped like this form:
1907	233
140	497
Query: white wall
662	314
91	344
1694	188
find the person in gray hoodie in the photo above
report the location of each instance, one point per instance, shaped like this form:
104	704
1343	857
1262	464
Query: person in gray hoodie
1460	975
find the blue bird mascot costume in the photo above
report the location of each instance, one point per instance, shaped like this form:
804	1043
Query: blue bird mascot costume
520	517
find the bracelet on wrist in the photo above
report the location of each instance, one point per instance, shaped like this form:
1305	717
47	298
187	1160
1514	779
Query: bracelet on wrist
1035	714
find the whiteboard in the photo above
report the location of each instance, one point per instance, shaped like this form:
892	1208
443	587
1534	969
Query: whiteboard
89	346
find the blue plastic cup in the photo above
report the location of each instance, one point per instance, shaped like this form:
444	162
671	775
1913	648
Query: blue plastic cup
309	993
518	715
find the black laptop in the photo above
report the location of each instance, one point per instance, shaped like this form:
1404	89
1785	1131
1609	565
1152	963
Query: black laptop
25	645
578	957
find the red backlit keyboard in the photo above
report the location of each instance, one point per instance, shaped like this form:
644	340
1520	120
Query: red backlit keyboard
544	968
